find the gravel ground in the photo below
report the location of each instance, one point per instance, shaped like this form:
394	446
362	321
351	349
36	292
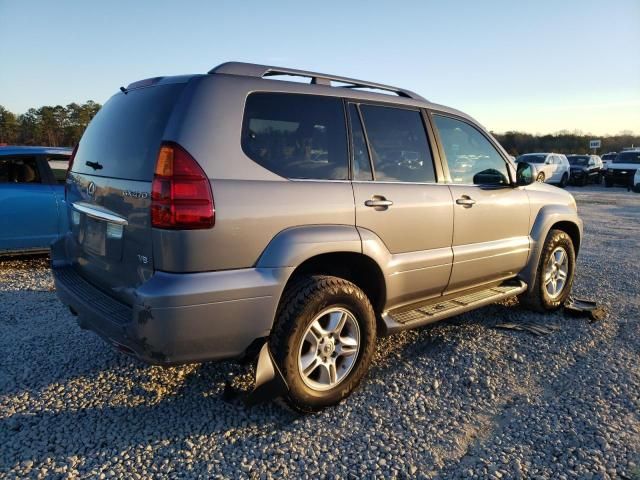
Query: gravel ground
459	399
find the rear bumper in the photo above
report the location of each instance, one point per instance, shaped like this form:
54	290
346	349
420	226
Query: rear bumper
177	318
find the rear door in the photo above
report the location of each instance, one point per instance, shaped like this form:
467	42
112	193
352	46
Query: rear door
399	200
491	217
109	188
28	210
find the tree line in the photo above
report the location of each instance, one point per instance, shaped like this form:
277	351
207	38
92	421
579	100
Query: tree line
58	126
517	143
52	126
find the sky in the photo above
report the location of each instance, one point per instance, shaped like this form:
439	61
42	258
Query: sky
537	67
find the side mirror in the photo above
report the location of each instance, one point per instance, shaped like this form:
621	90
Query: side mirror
524	174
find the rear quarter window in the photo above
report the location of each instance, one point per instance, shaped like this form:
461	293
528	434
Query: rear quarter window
296	136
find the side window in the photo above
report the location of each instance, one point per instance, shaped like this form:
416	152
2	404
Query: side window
19	170
361	164
398	143
471	158
296	136
58	165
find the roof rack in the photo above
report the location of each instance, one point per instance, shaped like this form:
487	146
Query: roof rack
259	71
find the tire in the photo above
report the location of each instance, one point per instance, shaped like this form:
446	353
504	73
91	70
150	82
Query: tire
317	300
636	188
564	181
585	181
540	177
538	297
608	183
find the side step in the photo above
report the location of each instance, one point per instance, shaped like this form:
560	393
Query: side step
402	319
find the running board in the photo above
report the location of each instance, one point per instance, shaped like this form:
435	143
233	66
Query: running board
402	319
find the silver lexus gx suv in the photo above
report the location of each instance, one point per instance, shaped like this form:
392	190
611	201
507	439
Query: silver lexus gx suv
236	214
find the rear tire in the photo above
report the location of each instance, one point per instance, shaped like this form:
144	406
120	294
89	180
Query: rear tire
608	183
314	353
554	275
564	181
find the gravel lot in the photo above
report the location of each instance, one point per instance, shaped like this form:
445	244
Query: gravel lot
459	399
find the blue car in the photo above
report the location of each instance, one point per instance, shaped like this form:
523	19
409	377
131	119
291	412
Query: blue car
32	204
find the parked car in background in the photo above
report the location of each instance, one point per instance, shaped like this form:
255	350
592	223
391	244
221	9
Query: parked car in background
607	158
585	169
622	169
636	181
32	205
548	167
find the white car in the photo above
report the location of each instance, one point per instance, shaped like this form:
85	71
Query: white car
636	182
623	169
548	167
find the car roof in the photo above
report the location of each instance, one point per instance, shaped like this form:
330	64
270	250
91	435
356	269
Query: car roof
30	150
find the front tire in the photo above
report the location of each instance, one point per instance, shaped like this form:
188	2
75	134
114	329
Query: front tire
554	275
323	340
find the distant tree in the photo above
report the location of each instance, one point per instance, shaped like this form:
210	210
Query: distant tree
48	125
9	127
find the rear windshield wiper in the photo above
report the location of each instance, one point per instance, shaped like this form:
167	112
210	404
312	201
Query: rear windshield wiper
94	165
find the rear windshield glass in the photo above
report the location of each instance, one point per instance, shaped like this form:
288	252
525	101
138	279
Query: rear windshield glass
123	139
574	160
628	157
296	136
532	158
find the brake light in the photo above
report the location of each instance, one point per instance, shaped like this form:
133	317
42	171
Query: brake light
70	166
181	196
72	158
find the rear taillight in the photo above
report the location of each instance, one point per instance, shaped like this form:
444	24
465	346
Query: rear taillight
181	195
72	158
70	166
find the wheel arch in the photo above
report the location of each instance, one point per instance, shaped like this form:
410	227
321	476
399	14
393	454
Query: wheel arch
326	250
561	217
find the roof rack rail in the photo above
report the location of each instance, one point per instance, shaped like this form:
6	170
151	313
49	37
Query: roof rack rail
259	71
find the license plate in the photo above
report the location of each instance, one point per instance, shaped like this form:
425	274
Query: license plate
94	236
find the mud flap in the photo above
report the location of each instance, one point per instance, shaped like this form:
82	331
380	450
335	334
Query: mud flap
584	308
269	382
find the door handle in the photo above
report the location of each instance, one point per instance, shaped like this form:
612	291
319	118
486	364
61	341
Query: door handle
378	202
466	201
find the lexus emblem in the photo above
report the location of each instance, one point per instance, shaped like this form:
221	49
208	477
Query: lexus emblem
91	189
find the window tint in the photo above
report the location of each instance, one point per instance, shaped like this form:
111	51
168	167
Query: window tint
58	165
398	143
296	136
361	164
125	135
472	159
19	170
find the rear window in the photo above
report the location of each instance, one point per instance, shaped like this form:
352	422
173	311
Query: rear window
296	136
58	165
628	157
123	139
398	143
